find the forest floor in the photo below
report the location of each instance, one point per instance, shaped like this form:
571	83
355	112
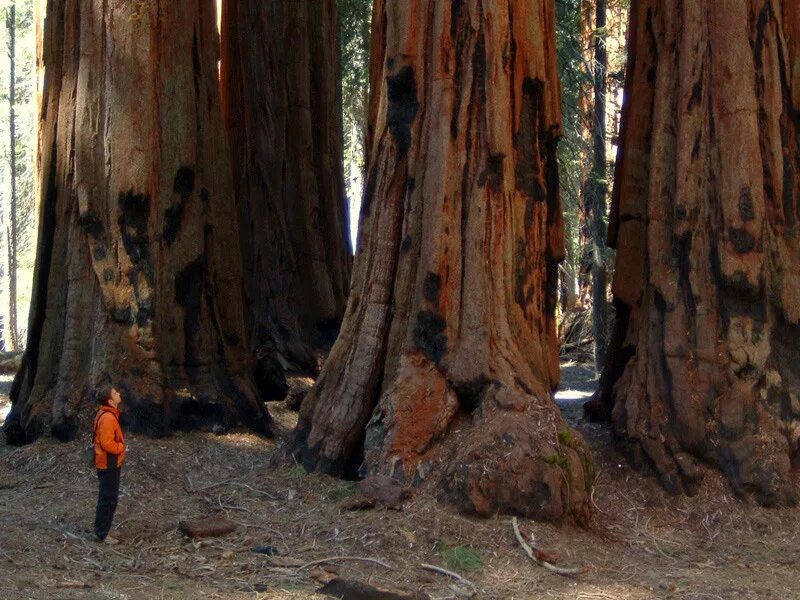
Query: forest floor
642	543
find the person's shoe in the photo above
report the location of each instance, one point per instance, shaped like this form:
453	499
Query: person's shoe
110	540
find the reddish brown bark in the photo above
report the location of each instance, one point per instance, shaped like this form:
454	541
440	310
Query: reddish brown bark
283	113
704	365
138	272
447	357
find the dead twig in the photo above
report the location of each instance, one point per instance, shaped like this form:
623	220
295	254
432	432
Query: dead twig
314	563
456	576
567	571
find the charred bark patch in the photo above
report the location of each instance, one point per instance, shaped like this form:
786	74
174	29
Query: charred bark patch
184	183
746	210
527	142
183	186
100	252
90	224
123	316
429	336
743	242
432	287
133	219
403	107
405	246
492	174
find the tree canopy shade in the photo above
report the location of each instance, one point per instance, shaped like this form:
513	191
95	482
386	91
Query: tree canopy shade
280	82
705	362
447	357
138	269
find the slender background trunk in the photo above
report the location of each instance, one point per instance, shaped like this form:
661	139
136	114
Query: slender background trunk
597	188
12	232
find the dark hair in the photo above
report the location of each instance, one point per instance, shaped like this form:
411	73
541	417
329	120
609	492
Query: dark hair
102	392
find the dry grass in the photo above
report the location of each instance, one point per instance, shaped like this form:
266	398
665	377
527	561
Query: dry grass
643	544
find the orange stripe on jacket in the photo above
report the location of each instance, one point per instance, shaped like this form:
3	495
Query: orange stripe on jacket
108	437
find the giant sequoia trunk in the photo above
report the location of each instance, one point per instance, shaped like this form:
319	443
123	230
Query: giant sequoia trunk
705	362
283	112
447	357
138	270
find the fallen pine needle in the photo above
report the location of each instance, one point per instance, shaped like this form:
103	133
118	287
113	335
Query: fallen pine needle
543	563
314	563
449	574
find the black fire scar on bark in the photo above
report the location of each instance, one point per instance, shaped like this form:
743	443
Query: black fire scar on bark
134	214
432	287
527	142
492	174
90	224
173	216
429	336
403	107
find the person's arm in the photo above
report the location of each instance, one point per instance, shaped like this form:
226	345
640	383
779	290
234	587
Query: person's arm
105	435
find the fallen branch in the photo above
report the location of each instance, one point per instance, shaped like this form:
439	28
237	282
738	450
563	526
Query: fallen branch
449	574
543	563
314	563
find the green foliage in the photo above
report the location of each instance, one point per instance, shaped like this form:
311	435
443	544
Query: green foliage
565	437
340	491
458	558
354	18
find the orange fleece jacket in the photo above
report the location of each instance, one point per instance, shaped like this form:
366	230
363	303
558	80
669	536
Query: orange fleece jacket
108	437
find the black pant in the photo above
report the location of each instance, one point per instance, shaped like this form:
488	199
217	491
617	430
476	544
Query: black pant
106	501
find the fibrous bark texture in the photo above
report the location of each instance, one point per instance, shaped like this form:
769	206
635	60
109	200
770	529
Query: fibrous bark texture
447	357
705	362
138	270
283	113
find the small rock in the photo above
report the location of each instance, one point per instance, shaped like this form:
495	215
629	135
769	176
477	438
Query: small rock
298	390
358	502
213	526
384	490
348	589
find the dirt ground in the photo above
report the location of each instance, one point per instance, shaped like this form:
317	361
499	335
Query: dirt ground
642	544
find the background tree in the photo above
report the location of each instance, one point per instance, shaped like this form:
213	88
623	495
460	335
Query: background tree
138	270
591	60
19	217
354	18
704	360
596	188
282	108
447	357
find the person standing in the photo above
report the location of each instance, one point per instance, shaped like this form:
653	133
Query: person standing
109	455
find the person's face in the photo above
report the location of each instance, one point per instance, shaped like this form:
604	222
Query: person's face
115	399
